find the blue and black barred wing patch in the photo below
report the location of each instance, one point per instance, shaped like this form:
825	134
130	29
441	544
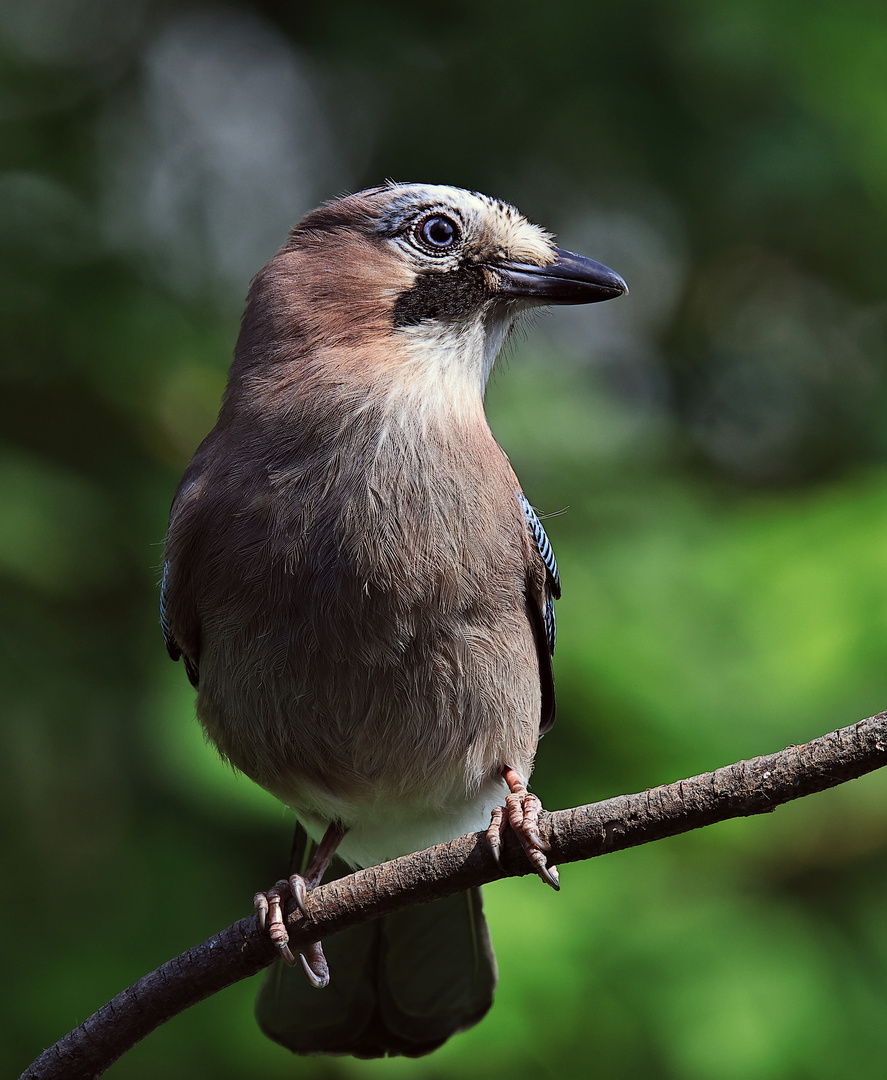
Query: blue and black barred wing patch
553	580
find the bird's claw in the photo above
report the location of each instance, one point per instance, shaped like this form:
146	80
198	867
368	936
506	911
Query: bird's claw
523	809
299	891
269	909
521	812
315	965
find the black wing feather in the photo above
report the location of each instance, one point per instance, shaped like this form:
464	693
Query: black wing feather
172	646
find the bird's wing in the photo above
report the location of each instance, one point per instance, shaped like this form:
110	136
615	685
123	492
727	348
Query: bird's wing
172	646
541	610
552	577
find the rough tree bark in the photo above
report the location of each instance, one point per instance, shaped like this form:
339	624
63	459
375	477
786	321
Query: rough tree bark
750	787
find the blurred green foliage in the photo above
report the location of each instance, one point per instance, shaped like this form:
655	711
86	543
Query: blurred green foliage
717	437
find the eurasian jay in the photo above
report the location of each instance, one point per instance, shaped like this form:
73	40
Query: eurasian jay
361	593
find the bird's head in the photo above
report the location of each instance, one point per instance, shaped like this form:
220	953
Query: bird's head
415	286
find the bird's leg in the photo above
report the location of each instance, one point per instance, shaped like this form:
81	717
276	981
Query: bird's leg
269	907
521	812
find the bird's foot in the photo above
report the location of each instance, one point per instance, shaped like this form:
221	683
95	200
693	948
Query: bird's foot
521	812
269	908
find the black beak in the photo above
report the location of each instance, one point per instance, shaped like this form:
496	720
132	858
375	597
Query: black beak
570	279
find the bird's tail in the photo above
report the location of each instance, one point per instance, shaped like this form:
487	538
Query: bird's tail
399	985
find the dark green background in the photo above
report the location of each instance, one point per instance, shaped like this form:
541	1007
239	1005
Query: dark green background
718	438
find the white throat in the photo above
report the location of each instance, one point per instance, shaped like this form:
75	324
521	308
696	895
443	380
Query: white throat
447	364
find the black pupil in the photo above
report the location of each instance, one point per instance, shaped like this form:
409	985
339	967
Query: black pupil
439	231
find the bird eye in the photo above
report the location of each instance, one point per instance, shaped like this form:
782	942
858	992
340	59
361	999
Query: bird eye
437	232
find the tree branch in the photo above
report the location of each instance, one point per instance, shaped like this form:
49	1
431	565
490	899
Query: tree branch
750	787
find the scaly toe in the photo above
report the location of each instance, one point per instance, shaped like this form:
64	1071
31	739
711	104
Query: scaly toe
260	903
494	832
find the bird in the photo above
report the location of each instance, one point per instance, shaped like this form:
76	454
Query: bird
362	594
